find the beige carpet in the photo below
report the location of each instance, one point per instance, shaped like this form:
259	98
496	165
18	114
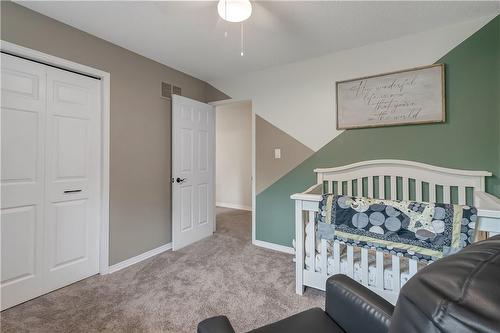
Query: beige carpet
172	292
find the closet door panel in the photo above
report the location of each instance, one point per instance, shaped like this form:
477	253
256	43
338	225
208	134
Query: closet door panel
50	179
23	98
73	183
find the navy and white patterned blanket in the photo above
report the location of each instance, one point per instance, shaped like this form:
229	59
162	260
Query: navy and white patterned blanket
422	231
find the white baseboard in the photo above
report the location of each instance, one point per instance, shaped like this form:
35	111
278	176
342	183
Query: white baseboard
276	247
139	258
234	206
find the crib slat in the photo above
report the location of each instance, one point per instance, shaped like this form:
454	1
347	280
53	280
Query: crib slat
336	257
330	186
396	274
350	261
364	266
432	192
312	244
359	184
446	194
406	191
381	187
461	195
370	187
379	256
418	190
324	257
413	267
393	188
349	187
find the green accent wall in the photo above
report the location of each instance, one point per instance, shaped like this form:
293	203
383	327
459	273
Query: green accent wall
469	139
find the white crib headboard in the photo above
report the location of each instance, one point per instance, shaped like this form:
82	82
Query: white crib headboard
406	180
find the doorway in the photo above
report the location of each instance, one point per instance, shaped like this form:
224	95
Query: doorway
234	162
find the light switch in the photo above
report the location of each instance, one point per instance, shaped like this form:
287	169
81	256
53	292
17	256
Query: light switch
277	153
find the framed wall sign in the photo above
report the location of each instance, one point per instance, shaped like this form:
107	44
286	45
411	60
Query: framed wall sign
412	96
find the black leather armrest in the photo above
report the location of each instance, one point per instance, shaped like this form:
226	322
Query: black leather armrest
356	308
219	324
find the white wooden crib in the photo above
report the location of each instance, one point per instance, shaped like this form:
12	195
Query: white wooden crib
387	179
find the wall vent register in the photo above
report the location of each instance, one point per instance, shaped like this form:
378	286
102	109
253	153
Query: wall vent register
166	90
177	91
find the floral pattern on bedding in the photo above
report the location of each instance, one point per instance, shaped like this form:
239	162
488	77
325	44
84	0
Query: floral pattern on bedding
417	230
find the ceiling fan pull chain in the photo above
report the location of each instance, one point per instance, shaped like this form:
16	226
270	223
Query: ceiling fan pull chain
242	51
225	17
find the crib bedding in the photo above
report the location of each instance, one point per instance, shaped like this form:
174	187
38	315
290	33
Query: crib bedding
417	230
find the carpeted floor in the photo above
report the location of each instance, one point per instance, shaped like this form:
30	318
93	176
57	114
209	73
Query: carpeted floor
172	292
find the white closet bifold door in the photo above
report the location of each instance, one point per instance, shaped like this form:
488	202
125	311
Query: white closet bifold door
50	183
72	178
22	181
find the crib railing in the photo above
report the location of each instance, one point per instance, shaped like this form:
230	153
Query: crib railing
306	206
314	272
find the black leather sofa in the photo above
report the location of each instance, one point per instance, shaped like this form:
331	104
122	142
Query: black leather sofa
459	293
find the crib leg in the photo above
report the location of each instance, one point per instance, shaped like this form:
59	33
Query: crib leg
299	248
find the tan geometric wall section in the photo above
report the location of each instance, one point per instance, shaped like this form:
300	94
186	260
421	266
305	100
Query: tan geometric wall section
269	169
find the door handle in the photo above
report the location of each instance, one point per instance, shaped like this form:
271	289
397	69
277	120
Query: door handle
72	191
180	180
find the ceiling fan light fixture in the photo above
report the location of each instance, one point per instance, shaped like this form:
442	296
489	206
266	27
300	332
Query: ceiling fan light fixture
234	10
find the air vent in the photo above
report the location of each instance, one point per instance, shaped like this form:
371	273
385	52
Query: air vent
166	90
177	91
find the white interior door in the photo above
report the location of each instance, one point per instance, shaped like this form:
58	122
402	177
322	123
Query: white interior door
22	179
50	182
193	165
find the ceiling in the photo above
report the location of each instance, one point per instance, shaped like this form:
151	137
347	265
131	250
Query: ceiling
189	35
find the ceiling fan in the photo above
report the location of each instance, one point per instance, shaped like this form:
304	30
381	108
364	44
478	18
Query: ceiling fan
235	11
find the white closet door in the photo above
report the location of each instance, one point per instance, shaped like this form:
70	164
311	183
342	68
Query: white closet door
72	177
22	179
50	180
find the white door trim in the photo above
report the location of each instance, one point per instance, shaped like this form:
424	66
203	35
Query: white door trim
105	78
254	210
253	206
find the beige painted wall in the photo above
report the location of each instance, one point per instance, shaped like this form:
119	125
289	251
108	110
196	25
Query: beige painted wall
233	135
267	168
140	195
212	94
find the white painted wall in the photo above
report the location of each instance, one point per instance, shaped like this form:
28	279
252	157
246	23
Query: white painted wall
299	98
233	136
